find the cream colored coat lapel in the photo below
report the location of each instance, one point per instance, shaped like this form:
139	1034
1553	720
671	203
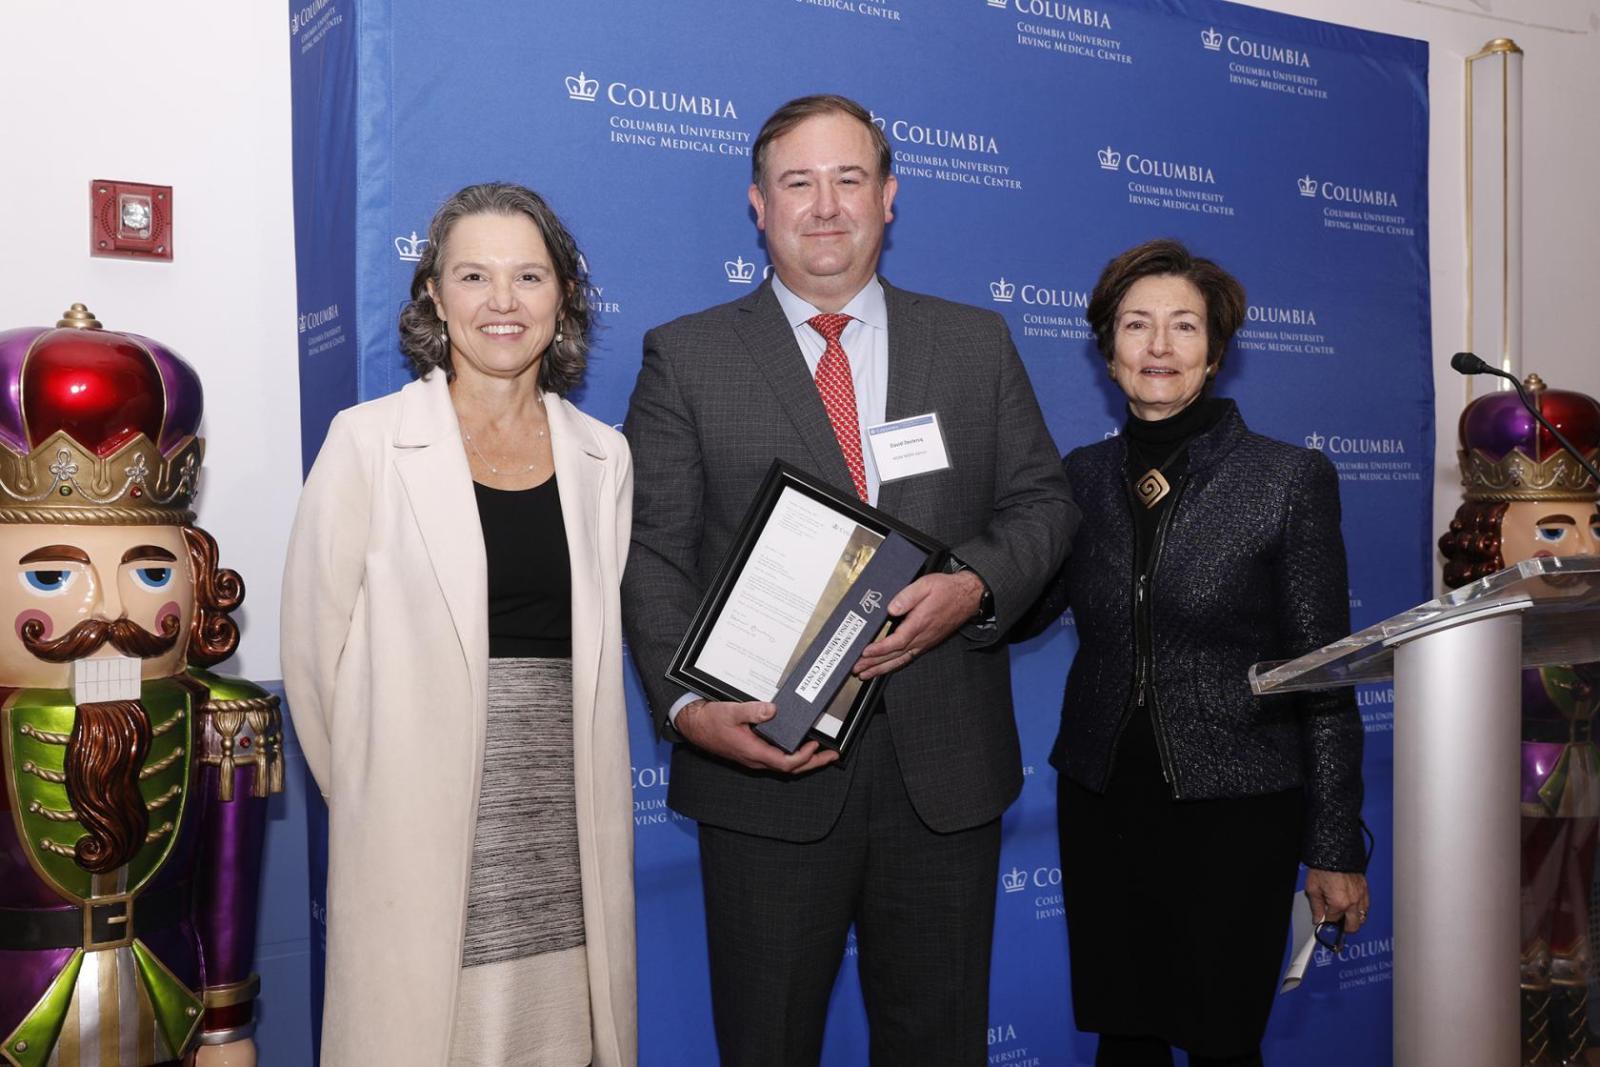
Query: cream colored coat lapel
385	657
432	467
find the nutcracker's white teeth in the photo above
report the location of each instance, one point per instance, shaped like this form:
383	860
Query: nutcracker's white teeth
105	678
507	329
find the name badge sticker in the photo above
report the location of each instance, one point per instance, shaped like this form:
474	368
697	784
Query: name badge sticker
908	447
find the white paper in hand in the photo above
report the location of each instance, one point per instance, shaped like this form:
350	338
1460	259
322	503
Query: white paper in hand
1302	935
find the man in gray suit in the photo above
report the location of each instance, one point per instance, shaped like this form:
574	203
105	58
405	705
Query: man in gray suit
903	837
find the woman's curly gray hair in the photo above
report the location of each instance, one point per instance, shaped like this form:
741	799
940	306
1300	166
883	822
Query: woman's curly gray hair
422	334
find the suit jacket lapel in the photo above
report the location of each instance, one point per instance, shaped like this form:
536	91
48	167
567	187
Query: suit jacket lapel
580	469
769	338
432	466
910	366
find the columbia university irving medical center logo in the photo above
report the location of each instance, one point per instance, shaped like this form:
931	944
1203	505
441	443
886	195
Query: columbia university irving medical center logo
672	118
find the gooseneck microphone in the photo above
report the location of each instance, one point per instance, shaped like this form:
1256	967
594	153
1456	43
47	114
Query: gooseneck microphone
1468	363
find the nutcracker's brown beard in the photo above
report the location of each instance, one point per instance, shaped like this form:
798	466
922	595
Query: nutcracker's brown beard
109	742
90	635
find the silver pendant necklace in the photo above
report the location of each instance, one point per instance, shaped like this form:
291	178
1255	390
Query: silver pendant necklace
466	433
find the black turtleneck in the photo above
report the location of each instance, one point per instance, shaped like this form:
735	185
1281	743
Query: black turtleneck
1153	443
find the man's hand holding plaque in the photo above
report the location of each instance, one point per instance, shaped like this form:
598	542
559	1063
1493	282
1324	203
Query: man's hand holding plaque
723	728
929	610
811	582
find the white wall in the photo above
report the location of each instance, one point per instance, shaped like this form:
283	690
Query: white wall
1561	204
196	96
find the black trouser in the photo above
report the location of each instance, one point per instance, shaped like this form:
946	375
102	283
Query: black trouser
778	912
1152	1052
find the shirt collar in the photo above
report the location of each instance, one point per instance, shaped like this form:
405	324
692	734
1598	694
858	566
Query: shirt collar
868	305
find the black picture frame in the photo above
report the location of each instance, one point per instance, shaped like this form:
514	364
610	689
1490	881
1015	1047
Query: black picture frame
683	669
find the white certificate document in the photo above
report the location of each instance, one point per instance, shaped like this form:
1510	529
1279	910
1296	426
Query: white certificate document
772	600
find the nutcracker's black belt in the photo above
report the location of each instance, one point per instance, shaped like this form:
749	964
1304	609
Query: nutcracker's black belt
106	922
1572	731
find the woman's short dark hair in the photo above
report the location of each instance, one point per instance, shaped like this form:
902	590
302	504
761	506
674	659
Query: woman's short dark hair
801	108
1471	547
1224	296
422	334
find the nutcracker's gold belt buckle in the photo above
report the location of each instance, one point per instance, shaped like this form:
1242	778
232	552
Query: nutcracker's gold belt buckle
107	922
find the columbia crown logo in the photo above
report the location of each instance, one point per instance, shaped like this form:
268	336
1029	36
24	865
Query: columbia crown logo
1315	440
879	121
410	248
871	601
1211	39
1109	158
581	87
738	271
1015	880
1308	186
1002	291
1001	4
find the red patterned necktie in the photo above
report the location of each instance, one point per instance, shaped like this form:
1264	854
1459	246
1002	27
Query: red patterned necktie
839	396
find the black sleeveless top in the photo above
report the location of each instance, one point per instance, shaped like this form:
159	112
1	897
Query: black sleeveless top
530	572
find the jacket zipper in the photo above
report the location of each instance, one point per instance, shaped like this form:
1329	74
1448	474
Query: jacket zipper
1168	770
1144	645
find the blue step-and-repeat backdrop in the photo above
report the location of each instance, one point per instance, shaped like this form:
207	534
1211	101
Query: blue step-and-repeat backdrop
1034	139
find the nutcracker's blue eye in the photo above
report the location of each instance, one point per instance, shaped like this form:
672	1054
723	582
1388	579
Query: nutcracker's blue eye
48	582
153	577
1551	534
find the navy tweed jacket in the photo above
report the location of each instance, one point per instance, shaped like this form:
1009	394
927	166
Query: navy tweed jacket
1253	568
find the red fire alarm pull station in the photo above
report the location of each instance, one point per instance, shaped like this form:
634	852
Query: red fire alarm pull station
130	220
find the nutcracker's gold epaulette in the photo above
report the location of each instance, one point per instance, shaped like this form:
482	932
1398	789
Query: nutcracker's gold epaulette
240	725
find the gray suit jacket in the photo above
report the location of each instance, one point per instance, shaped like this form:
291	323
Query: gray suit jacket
722	393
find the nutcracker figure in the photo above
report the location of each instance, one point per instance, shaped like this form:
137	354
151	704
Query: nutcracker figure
1525	497
136	782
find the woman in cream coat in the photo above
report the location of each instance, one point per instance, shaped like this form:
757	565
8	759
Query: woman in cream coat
387	661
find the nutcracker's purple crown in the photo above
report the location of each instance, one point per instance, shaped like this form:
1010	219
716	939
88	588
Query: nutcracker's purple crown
96	427
1506	455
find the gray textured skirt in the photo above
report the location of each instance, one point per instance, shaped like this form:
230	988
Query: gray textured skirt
524	992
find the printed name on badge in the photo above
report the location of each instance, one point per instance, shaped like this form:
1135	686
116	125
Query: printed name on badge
908	446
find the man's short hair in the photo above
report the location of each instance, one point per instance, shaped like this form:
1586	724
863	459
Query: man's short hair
801	108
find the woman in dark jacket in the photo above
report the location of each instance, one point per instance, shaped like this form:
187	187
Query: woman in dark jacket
1186	804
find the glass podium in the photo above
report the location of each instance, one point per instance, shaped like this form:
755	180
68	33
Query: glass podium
1456	664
